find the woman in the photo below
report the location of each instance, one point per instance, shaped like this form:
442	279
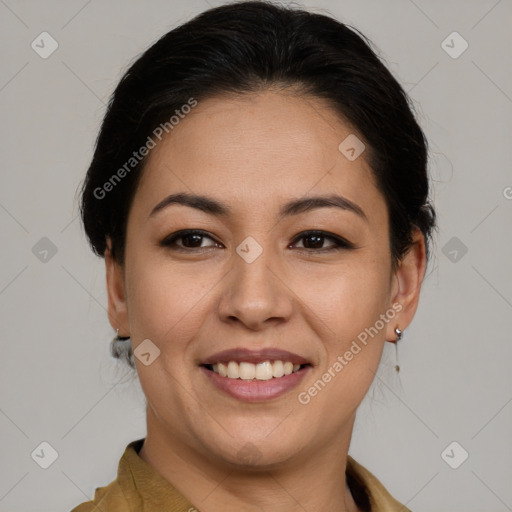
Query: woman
259	193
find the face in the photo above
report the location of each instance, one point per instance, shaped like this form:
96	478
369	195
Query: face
264	275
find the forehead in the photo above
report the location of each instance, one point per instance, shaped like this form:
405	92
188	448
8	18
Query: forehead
258	148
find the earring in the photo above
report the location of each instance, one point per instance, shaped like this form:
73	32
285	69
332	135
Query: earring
121	348
399	334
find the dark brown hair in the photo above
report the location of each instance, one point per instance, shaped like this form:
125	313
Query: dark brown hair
249	46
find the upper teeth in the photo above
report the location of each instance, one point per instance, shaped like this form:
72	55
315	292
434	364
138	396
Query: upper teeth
261	371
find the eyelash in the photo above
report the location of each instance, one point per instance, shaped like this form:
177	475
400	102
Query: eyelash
340	243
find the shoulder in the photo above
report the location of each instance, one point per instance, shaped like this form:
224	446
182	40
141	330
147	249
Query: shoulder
121	494
106	499
372	495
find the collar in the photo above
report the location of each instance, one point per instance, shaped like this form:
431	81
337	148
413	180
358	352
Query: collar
141	487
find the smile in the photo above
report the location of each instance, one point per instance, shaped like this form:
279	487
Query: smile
265	370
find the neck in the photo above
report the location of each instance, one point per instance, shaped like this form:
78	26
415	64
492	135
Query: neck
316	481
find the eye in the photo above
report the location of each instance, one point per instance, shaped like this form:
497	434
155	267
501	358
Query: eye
314	241
190	239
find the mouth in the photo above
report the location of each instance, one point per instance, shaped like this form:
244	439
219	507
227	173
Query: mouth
265	370
255	376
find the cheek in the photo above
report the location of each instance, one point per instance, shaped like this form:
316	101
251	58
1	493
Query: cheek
347	297
166	303
349	303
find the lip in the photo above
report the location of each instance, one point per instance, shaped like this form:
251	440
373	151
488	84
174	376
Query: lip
256	390
254	356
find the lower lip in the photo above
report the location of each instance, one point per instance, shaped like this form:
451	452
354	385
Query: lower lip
256	390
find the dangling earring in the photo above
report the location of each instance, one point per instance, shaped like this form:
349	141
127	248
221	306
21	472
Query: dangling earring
399	334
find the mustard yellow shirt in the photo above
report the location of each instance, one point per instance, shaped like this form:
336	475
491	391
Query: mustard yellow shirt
138	487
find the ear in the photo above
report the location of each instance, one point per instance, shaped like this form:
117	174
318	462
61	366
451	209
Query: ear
117	306
406	286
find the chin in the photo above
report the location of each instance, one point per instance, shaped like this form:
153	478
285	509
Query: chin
252	452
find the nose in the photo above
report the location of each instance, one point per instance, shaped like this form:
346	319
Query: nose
256	294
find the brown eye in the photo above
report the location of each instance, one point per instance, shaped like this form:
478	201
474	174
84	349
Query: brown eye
188	239
314	241
191	240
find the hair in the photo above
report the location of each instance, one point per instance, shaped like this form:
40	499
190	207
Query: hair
246	47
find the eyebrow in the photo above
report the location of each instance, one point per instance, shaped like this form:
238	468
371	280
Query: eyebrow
214	207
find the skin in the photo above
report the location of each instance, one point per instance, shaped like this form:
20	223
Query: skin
255	153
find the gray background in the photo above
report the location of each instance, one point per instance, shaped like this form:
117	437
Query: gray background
58	382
